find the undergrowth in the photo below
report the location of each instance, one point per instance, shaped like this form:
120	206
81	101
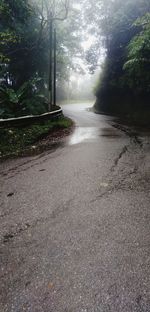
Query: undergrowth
14	140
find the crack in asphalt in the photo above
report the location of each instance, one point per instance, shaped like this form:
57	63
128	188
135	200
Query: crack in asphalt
123	151
19	168
53	215
110	190
133	139
116	185
131	133
9	236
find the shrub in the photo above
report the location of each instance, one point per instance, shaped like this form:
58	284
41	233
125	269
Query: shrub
25	101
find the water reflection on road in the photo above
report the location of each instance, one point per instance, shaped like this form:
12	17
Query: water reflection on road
91	134
89	126
83	134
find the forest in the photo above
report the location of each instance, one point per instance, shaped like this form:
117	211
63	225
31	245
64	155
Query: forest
119	50
124	85
25	53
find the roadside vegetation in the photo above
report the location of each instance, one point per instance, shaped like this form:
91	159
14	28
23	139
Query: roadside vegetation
16	141
112	36
123	28
25	53
25	61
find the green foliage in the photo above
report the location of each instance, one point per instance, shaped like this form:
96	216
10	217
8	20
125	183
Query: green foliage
18	31
15	140
138	65
24	44
24	101
124	84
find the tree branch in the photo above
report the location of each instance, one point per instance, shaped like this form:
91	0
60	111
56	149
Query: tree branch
66	9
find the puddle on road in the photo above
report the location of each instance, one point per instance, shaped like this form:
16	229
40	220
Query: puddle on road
83	134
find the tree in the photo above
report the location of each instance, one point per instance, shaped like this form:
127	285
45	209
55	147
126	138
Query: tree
20	40
137	66
25	41
114	93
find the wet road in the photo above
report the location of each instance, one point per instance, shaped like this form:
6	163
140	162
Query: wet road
75	222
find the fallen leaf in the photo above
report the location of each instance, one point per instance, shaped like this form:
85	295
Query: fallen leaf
50	285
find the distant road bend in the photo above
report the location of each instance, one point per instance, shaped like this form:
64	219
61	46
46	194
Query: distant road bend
75	228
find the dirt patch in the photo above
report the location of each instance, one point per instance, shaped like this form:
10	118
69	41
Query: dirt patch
33	140
50	142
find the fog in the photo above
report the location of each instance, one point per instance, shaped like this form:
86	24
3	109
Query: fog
80	80
64	45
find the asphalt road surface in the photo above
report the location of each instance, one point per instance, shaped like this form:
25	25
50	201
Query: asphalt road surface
75	222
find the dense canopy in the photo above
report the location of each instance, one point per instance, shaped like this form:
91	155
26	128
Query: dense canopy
120	48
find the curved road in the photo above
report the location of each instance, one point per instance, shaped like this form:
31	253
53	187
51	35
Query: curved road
75	222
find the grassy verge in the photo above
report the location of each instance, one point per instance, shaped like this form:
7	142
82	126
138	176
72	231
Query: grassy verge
13	141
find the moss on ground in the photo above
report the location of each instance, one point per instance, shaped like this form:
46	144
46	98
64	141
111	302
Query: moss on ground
14	140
